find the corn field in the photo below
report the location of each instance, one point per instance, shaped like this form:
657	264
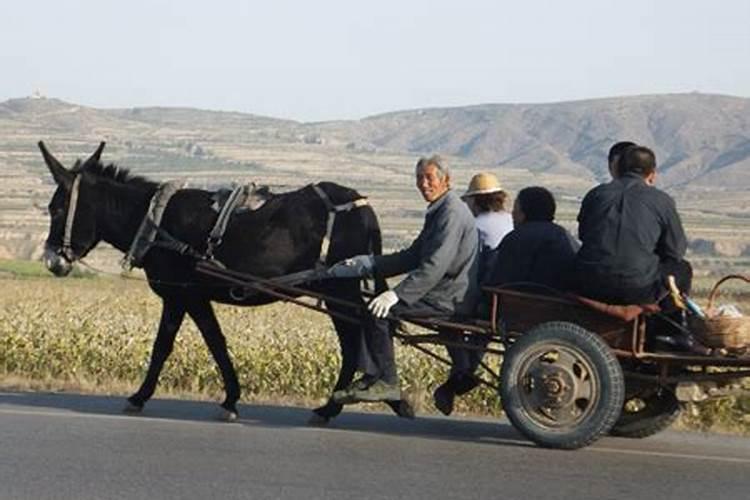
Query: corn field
98	333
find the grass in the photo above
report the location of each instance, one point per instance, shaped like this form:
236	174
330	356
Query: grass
96	335
24	269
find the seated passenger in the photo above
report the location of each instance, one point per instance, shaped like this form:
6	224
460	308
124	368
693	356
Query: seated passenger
632	241
631	235
486	199
537	251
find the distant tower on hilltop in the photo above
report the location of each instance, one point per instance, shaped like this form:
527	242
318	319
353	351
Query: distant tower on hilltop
37	94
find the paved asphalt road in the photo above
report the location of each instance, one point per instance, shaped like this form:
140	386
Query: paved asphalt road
81	447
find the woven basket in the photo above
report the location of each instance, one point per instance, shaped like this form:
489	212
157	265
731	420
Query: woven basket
721	331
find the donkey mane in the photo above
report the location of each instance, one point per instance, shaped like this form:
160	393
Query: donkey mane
112	172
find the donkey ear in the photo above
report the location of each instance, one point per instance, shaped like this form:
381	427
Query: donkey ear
94	158
59	173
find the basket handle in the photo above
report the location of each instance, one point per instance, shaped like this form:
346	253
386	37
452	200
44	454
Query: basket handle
715	289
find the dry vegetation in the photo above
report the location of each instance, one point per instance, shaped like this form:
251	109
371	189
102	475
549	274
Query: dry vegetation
95	335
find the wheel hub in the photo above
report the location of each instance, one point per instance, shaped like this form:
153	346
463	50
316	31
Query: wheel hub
555	386
558	387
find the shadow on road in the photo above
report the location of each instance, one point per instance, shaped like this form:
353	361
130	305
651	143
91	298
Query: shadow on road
453	429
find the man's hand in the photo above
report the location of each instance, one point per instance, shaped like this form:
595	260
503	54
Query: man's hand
381	305
354	267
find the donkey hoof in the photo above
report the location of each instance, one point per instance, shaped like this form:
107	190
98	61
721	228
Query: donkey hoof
225	415
132	409
318	420
405	410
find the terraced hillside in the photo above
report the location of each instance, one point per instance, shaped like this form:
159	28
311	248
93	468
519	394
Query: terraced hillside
700	139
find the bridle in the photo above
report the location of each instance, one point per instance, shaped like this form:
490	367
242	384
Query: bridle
66	250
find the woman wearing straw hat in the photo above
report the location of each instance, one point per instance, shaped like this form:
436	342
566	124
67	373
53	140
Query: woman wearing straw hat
487	200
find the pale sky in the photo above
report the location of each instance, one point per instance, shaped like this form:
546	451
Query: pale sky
324	60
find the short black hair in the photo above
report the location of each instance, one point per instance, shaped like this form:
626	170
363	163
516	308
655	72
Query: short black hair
637	160
618	149
537	203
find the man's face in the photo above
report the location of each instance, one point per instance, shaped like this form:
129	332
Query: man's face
430	184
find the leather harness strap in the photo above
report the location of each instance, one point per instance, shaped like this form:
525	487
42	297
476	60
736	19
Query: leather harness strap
332	211
149	229
220	226
67	246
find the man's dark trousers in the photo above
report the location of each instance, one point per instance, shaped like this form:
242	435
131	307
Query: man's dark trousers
378	336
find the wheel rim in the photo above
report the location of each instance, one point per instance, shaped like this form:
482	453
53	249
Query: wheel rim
558	386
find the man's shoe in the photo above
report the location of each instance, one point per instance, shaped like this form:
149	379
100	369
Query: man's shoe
346	396
443	398
377	391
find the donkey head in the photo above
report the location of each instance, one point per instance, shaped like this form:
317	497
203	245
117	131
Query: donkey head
72	232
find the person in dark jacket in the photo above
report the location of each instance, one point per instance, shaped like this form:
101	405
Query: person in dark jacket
633	240
441	278
537	254
631	235
538	251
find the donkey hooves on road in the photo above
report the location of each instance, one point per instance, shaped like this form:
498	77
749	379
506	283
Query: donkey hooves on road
318	420
403	408
225	415
132	409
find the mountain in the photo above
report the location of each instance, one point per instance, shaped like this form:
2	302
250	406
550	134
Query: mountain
700	140
702	144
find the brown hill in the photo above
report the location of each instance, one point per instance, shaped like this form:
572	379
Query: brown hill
701	140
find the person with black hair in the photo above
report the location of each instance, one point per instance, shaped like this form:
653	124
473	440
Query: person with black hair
633	240
631	236
538	253
613	158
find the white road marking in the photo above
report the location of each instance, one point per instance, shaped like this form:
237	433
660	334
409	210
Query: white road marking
664	454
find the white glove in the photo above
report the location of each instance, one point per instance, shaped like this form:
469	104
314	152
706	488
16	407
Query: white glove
355	267
381	305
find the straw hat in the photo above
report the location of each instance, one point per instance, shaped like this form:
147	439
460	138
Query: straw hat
483	183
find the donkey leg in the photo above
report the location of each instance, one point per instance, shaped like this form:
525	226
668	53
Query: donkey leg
350	343
205	319
172	314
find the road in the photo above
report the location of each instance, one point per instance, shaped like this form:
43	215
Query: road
80	447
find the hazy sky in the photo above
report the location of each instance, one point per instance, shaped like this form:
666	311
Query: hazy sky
319	60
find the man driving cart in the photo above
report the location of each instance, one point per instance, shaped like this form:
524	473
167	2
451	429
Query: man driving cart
441	281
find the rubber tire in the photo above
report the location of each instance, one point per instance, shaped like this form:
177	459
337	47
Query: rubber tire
602	361
661	412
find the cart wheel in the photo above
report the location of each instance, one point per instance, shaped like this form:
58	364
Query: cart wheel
648	410
561	386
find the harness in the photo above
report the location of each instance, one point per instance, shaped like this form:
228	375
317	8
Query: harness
333	210
149	229
67	246
150	234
